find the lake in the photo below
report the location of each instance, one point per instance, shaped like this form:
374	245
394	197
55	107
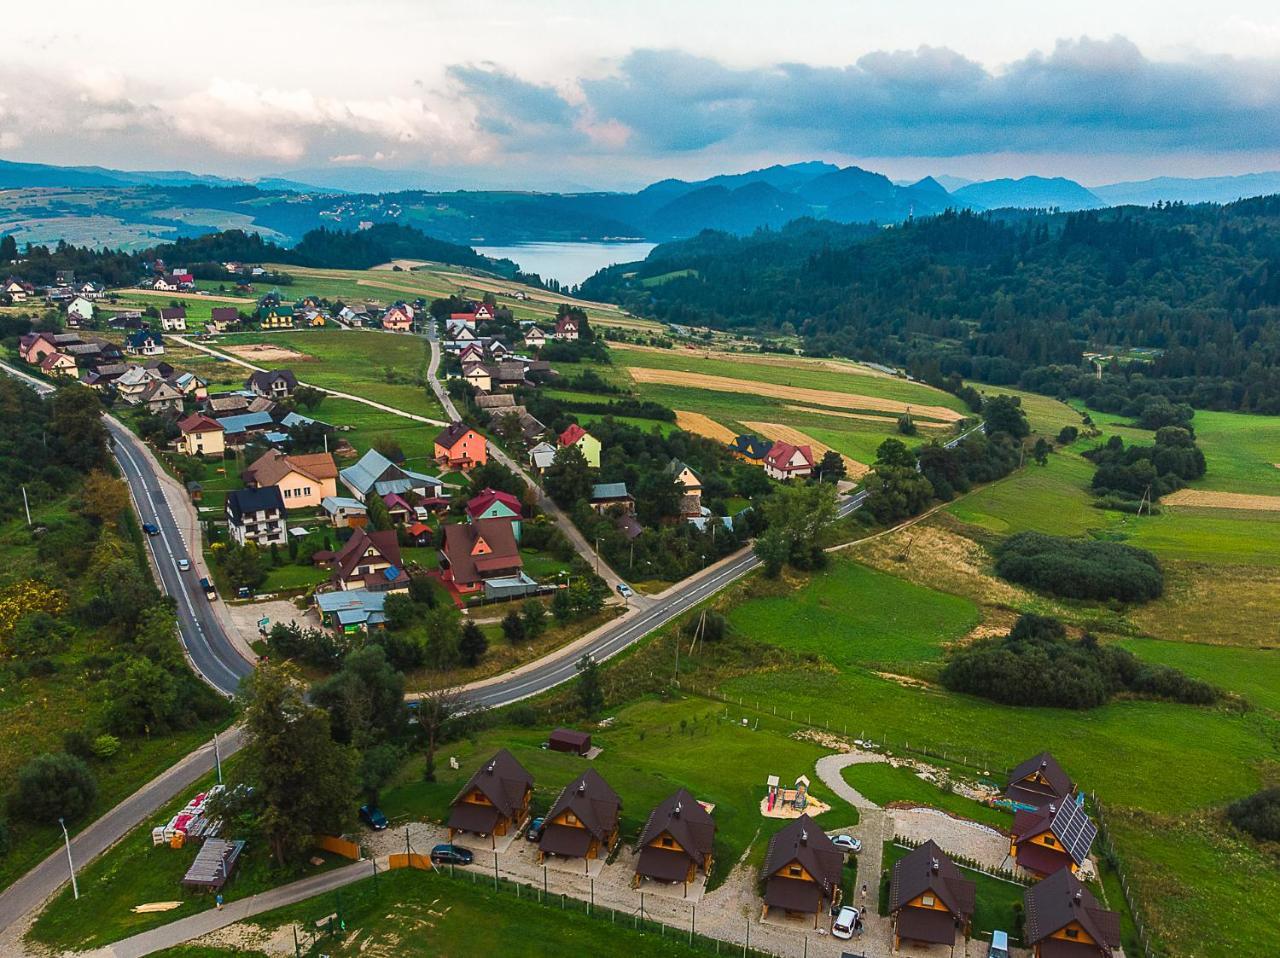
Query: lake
570	263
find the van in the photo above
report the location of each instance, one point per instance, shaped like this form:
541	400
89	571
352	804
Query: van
999	945
209	592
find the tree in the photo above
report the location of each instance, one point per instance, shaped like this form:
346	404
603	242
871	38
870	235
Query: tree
562	606
308	397
53	786
1005	414
494	475
364	699
389	447
142	698
472	645
658	497
589	693
401	611
906	425
1041	451
8	248
1068	435
443	638
76	423
534	614
437	710
304	783
802	512
772	548
568	478
241	564
379	514
513	627
831	468
895	489
103	498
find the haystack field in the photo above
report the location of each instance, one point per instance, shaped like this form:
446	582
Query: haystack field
776	431
700	425
1206	499
867	417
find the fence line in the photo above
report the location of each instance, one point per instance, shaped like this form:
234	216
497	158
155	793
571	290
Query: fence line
1108	850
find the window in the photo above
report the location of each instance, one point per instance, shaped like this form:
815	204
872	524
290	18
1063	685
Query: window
667	842
927	901
570	818
795	871
1073	932
1050	840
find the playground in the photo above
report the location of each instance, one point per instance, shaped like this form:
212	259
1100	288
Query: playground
780	802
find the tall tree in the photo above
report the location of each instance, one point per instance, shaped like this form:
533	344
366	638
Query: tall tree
589	692
364	699
77	426
568	478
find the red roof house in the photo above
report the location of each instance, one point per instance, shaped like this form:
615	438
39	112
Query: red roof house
785	461
475	551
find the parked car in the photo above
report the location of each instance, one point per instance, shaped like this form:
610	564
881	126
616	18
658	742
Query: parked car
451	855
845	923
184	564
243	592
847	844
372	816
150	528
534	831
625	590
999	945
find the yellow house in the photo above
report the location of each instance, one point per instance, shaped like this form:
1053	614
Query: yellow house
929	899
276	317
303	480
1055	836
494	800
201	436
588	444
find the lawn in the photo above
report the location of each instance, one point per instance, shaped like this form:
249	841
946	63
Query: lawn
1253	673
882	783
995	897
1053	498
650	749
1242	449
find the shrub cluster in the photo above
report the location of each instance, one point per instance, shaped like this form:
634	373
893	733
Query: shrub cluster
1258	814
1080	568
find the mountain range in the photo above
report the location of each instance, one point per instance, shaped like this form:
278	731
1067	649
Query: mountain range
132	209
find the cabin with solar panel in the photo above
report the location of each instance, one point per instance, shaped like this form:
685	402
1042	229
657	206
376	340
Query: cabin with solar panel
495	800
1055	836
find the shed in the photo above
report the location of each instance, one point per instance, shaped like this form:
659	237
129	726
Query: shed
213	865
569	740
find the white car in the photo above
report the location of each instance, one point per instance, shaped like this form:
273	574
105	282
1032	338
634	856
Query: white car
184	564
847	843
624	590
844	923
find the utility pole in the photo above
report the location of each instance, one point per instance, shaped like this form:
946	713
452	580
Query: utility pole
75	889
217	756
26	504
597	555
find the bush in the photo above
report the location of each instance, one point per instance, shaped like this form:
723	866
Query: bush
1080	569
524	716
53	786
4	838
1258	814
104	746
78	742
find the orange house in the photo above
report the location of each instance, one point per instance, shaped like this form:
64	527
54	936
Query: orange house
461	447
583	823
494	800
1057	835
1064	920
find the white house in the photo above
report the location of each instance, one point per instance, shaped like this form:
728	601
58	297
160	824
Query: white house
79	310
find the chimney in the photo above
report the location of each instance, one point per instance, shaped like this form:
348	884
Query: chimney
804	836
675	812
582	788
933	866
1052	808
1077	898
491	767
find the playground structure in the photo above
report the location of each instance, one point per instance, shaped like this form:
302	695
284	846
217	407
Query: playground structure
780	802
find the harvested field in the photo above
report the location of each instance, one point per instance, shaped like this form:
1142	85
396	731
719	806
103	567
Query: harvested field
265	352
1205	499
775	431
700	425
866	417
821	397
207	297
763	359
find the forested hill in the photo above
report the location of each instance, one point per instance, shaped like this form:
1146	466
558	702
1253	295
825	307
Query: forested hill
1185	298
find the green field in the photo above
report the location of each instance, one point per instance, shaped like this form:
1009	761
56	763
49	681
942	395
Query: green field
882	783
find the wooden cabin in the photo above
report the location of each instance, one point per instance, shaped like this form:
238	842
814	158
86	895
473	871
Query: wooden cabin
801	870
1053	837
1038	781
494	801
677	841
1064	920
569	740
929	900
583	823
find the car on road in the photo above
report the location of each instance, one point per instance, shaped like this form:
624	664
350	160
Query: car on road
150	528
209	592
372	816
847	844
845	923
534	832
999	947
451	855
625	590
184	564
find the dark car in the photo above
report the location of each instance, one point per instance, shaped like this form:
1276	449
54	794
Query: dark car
451	855
372	816
150	528
534	831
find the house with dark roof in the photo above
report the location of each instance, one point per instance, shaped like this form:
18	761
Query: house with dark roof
802	870
1038	781
750	448
303	479
173	319
494	801
1064	920
272	383
460	447
222	318
567	328
784	461
583	823
535	338
159	396
474	552
256	515
143	342
1054	836
370	560
611	495
677	841
929	900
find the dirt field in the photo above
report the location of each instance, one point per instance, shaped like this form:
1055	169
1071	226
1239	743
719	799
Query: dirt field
762	359
241	300
264	352
823	397
866	417
775	431
1205	499
701	425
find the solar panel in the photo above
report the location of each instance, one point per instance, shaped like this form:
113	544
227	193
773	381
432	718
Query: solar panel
1074	829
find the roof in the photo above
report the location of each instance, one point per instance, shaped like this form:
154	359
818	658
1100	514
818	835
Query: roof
1057	783
542	455
927	925
1060	899
682	817
676	466
332	504
753	447
1067	821
572	434
496	401
240	501
246	421
224	314
609	490
595	804
452	435
502	780
354	606
352	555
629	526
570	736
173	312
780	454
803	841
273	466
477	504
228	403
264	378
460	539
928	869
367	470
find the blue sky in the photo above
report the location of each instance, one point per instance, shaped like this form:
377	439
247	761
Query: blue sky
555	94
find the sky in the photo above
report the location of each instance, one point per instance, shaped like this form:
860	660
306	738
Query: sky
570	94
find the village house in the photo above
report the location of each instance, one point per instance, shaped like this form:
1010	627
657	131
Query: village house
345	512
370	560
191	386
1037	782
677	841
79	311
173	319
90	290
275	316
478	376
583	823
471	352
535	338
272	384
103	376
929	900
1055	836
784	461
200	436
399	508
222	318
492	504
257	516
160	397
460	447
802	870
588	444
475	552
59	364
542	456
375	474
690	486
606	496
1065	920
398	318
134	382
303	479
567	328
510	375
352	612
239	429
750	448
143	342
34	347
495	800
17	290
483	312
227	404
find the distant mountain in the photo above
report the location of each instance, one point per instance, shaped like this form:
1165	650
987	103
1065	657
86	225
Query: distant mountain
17	176
1208	189
741	210
1029	192
951	183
